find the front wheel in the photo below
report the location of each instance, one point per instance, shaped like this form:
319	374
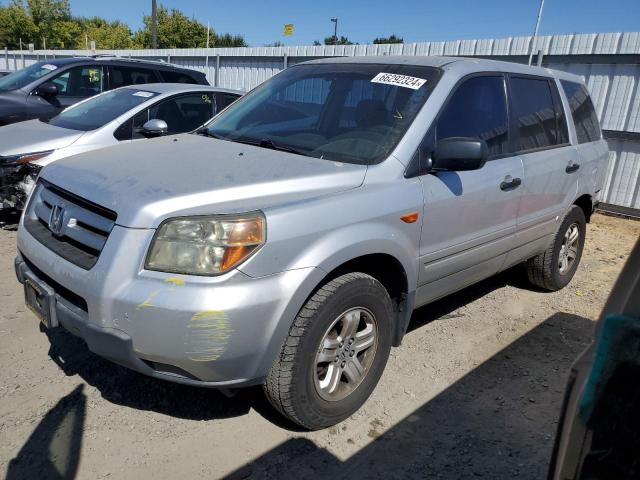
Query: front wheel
554	268
335	352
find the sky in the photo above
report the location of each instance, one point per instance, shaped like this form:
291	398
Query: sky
261	21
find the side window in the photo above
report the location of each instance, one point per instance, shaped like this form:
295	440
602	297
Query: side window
129	129
185	112
477	109
582	111
561	118
170	76
223	100
123	76
79	81
534	113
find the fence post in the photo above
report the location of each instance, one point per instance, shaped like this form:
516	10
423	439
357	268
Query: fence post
286	61
216	78
539	63
6	58
23	64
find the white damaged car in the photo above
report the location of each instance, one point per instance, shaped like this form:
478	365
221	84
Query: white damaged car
111	118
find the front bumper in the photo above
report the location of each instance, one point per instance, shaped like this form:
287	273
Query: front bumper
219	332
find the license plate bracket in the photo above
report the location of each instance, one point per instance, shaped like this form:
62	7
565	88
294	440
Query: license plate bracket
40	298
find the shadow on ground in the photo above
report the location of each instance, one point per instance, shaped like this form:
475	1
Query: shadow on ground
496	422
128	388
52	451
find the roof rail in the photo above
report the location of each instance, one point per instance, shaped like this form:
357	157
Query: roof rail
128	59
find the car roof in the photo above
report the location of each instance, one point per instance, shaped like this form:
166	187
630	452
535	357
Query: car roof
163	88
460	64
160	65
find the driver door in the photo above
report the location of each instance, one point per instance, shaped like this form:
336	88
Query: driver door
74	84
469	217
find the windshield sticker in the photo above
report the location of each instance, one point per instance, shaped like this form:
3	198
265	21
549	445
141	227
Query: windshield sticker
48	66
399	80
144	94
206	98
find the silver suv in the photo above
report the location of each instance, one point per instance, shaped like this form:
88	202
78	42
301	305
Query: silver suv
288	242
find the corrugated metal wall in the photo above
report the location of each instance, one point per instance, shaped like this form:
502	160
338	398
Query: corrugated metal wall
609	63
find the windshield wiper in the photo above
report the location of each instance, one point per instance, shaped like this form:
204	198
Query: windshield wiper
207	133
267	143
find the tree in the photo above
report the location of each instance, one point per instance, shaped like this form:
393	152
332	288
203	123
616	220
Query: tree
53	20
316	43
391	39
107	35
16	24
275	44
176	30
341	41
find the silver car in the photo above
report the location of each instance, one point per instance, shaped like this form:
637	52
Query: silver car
288	242
114	117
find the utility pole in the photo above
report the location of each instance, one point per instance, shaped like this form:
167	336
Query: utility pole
535	32
335	30
154	24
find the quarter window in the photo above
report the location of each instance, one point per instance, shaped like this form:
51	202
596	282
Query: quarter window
477	109
582	111
534	113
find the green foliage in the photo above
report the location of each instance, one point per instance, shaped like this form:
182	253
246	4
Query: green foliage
316	43
176	30
391	39
35	20
341	41
16	24
107	35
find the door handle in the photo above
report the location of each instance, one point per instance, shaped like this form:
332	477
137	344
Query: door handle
572	167
510	184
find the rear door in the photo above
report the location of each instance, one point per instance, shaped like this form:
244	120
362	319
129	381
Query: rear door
469	217
550	162
593	152
122	76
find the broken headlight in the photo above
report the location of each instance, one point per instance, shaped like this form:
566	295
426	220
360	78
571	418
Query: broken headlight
206	245
23	158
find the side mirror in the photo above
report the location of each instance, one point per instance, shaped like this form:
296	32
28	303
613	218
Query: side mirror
47	89
154	128
460	153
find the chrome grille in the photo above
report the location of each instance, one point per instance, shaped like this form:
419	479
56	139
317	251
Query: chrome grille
72	227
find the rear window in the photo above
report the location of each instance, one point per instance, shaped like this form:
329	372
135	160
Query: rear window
176	77
535	114
582	111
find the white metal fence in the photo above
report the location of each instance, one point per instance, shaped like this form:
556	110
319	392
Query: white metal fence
609	63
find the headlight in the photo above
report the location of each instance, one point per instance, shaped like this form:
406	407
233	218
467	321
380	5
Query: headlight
25	157
206	245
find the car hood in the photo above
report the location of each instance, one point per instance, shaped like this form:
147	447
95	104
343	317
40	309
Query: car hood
34	136
148	181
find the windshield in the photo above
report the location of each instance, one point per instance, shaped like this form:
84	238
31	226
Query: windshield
354	113
101	109
23	77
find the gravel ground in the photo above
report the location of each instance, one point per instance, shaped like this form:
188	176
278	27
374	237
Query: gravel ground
474	391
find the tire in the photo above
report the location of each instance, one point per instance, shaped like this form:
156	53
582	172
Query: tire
300	382
545	270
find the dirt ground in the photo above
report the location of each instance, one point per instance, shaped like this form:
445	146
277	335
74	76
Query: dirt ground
474	391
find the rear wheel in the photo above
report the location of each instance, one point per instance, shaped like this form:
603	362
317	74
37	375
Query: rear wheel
554	268
335	353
